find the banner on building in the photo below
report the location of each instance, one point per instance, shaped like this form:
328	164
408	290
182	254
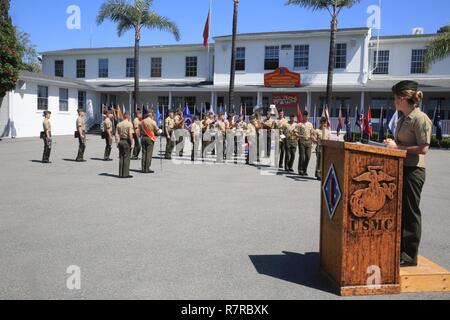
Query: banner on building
286	100
282	78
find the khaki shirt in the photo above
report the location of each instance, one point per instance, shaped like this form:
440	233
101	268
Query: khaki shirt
280	123
196	128
251	130
414	130
207	123
289	130
305	130
149	124
169	124
136	123
220	125
47	126
321	135
124	129
178	124
107	125
269	124
241	125
80	124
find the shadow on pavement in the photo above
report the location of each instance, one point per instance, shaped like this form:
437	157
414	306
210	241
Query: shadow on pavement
36	161
109	175
302	269
70	160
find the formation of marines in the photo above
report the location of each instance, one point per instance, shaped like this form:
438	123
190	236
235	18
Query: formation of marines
222	136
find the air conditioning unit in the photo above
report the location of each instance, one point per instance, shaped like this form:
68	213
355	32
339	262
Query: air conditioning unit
418	31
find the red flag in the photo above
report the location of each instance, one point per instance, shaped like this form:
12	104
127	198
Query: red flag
206	31
340	124
326	115
299	114
368	123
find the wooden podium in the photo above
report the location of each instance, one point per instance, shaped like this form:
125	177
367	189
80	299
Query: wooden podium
361	207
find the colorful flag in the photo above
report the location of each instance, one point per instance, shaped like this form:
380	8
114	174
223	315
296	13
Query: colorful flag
348	126
326	115
315	118
368	123
187	118
113	110
119	113
206	30
211	110
437	123
340	124
158	117
393	123
299	114
381	131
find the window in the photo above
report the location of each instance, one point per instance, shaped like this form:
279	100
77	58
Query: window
163	101
103	68
272	58
383	62
191	66
81	68
59	68
82	100
63	99
341	56
156	71
247	103
190	101
42	98
417	65
130	68
301	57
240	59
177	102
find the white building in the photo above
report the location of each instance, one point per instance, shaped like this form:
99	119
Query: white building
190	74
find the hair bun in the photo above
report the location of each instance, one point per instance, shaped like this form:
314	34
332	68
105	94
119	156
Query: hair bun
419	95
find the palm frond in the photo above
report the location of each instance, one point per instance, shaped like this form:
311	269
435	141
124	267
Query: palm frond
438	49
322	4
115	10
155	21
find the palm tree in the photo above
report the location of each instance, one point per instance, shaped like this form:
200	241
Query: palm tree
334	7
233	54
135	17
439	48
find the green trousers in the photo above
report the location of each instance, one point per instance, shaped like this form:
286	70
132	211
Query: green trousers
291	149
319	162
281	163
108	148
124	155
47	149
81	147
169	148
304	148
137	147
413	181
147	154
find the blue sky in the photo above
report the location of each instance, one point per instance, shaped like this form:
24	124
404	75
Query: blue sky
45	20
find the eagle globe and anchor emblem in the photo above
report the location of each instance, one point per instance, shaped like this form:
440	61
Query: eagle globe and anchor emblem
366	203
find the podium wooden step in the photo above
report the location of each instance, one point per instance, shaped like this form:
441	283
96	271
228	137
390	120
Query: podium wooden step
426	277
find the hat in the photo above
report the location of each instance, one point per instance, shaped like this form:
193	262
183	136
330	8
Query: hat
46	113
405	86
80	110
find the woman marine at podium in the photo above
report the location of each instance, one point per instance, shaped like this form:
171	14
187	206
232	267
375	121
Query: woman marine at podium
413	134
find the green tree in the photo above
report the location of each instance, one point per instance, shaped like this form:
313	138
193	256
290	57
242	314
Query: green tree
27	52
439	48
135	17
9	57
334	7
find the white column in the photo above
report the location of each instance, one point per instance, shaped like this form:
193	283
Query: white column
363	98
170	100
213	100
309	101
259	99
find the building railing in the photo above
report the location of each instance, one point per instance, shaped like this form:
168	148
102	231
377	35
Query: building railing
376	125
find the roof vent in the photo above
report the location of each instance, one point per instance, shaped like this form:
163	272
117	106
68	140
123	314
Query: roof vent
417	31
